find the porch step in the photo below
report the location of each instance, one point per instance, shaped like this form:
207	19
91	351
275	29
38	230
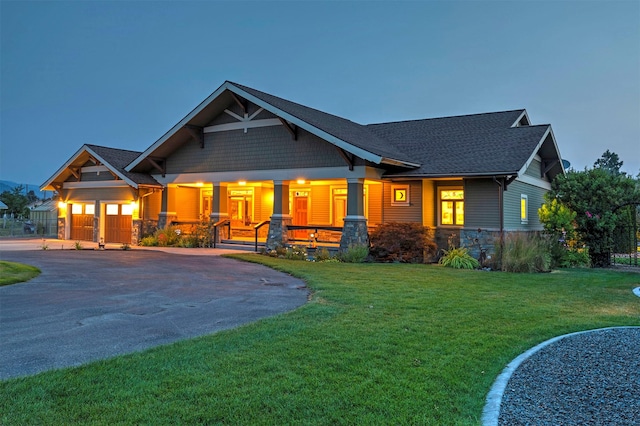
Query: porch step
239	245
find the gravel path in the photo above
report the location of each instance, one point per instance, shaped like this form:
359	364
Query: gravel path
590	378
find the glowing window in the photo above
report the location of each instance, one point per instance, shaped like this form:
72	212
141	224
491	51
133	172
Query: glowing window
524	217
127	209
452	207
76	208
89	209
112	209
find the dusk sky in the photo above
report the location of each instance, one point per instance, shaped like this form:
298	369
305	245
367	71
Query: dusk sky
121	74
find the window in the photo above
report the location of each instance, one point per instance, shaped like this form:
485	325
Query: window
400	195
76	208
89	209
452	207
524	217
127	209
112	209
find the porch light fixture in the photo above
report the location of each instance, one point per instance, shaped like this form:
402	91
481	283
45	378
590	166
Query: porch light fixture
199	184
242	182
301	181
62	205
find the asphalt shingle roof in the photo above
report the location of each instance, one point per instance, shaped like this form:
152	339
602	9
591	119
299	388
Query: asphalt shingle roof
346	130
119	159
476	144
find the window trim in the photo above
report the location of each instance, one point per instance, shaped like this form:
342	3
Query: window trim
442	189
398	190
524	209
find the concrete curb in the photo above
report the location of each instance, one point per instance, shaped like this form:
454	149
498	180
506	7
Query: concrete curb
491	411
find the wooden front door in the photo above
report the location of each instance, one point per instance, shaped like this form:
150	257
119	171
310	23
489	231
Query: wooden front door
339	210
117	225
300	217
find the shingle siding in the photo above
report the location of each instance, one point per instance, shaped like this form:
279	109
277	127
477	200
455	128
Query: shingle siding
262	148
108	194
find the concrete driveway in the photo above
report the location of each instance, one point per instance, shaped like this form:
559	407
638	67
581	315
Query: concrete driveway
89	305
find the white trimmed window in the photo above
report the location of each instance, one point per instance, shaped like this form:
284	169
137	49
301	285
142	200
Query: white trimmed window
400	195
524	208
451	207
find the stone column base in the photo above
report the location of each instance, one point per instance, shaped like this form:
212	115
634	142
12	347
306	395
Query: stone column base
354	232
277	236
166	218
61	227
136	232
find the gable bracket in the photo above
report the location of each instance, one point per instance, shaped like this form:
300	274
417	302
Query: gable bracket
241	102
546	166
291	128
75	173
347	157
160	164
197	133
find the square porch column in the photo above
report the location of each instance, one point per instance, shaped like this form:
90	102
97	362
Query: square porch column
166	217
280	218
354	230
219	209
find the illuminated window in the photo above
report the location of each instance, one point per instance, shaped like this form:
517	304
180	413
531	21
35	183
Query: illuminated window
452	207
112	209
127	209
76	209
524	217
89	209
400	195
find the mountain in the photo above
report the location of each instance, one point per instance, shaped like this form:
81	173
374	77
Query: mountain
6	185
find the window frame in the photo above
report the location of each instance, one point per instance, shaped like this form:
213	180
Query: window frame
455	201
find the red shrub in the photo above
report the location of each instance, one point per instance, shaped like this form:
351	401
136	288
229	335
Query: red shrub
402	242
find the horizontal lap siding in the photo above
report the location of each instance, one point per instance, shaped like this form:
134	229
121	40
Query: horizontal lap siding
429	203
262	148
188	204
481	207
375	204
110	194
152	205
96	177
410	213
320	205
535	199
534	169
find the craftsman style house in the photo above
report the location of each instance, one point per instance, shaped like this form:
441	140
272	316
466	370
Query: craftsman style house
254	164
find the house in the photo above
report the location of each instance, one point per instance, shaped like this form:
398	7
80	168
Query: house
262	165
44	216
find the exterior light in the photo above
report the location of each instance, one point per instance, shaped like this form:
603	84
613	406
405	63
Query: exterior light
301	181
62	205
200	184
242	182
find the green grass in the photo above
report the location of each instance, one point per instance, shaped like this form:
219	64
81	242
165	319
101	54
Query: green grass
377	344
12	272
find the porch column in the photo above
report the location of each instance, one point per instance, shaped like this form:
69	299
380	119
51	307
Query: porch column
219	208
354	230
96	221
280	218
64	223
166	217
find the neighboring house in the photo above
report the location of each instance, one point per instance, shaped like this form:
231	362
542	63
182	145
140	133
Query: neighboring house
44	216
246	156
3	206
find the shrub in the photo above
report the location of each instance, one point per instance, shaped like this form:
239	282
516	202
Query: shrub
458	258
296	253
149	241
523	252
77	245
322	254
354	254
402	242
167	236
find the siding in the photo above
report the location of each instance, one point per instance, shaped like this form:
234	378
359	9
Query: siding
375	204
152	206
410	213
534	169
95	177
262	148
535	198
429	198
320	205
481	204
110	194
187	204
266	205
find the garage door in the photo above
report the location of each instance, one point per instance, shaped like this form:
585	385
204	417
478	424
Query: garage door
118	223
82	221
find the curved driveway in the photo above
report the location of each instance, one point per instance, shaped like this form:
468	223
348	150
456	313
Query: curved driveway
88	305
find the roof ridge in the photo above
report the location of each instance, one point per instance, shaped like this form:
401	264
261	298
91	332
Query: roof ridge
448	116
90	145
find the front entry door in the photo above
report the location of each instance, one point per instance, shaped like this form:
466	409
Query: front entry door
300	217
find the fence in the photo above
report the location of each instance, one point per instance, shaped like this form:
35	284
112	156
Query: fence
625	250
24	228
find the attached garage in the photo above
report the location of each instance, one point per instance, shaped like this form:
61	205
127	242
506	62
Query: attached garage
82	221
117	225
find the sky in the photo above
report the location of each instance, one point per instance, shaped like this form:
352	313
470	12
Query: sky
122	73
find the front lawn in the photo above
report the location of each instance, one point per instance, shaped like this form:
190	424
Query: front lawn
376	344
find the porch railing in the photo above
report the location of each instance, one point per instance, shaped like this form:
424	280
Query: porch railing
257	229
315	229
221	223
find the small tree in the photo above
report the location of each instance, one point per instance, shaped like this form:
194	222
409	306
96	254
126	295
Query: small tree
594	196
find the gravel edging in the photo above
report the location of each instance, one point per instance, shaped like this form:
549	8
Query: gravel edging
588	377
